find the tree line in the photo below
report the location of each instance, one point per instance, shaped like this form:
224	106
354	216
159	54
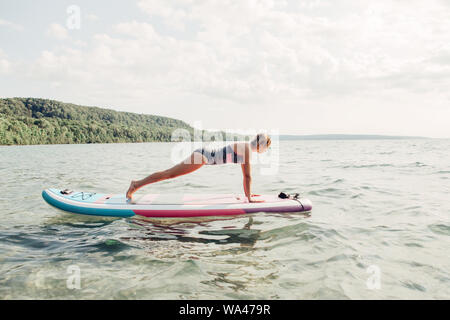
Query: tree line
26	121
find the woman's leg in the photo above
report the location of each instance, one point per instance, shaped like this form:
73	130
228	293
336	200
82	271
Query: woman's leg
194	162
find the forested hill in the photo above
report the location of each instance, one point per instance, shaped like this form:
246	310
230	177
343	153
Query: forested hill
41	121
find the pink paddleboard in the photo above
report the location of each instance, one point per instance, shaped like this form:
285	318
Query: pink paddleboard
170	205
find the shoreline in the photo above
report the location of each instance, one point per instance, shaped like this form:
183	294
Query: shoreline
299	139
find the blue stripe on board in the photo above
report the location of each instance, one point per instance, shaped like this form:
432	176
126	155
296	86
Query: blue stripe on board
84	210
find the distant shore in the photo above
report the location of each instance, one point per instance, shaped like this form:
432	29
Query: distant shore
348	137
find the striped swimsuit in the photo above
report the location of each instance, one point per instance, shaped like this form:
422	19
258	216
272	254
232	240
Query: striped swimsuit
220	155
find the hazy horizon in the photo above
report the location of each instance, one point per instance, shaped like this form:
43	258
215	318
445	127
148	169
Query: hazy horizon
299	67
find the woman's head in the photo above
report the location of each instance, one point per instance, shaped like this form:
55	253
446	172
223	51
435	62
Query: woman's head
261	142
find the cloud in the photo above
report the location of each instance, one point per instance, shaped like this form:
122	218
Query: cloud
57	31
257	50
11	25
254	50
92	17
5	65
80	43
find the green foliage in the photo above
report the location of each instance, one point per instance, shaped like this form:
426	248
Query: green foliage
41	121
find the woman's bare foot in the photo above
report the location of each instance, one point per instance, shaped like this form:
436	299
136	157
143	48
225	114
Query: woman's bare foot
132	189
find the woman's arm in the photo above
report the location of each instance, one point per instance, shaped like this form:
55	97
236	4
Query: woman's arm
247	173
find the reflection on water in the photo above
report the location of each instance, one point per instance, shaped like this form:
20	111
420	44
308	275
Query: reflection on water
152	230
243	231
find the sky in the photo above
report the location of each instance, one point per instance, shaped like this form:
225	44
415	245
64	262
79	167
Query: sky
294	67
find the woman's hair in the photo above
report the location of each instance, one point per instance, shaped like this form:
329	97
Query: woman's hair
261	139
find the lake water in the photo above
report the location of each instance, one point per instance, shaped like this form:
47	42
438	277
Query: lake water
379	228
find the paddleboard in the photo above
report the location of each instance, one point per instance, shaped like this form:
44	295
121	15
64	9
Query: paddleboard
169	205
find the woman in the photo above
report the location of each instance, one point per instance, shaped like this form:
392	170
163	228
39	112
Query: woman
233	153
